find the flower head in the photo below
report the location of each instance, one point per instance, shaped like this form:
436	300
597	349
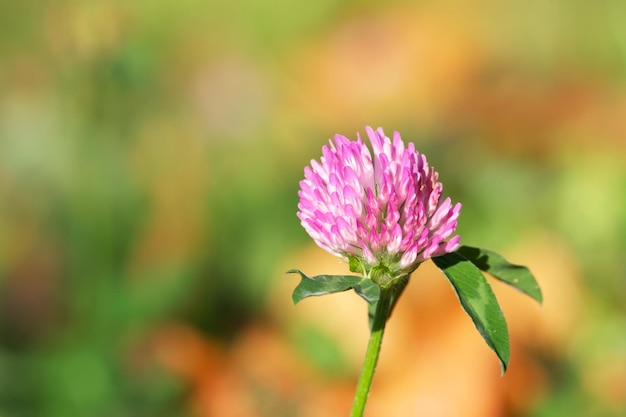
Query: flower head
384	212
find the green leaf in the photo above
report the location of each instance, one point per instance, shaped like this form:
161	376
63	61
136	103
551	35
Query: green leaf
478	301
494	264
329	284
368	290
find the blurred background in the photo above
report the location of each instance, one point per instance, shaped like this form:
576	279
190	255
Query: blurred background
150	154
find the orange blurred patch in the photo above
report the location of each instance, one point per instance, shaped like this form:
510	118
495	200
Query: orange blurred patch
517	111
392	64
259	375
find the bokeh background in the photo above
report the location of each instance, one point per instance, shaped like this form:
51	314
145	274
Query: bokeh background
150	154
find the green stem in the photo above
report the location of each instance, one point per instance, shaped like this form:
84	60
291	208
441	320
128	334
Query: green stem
383	309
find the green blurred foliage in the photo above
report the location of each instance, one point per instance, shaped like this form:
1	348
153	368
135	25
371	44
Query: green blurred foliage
150	154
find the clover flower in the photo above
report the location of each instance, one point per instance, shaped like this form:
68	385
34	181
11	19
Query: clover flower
385	215
384	212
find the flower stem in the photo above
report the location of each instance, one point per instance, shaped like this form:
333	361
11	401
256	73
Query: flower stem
383	309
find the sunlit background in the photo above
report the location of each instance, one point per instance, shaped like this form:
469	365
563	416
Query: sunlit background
150	154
